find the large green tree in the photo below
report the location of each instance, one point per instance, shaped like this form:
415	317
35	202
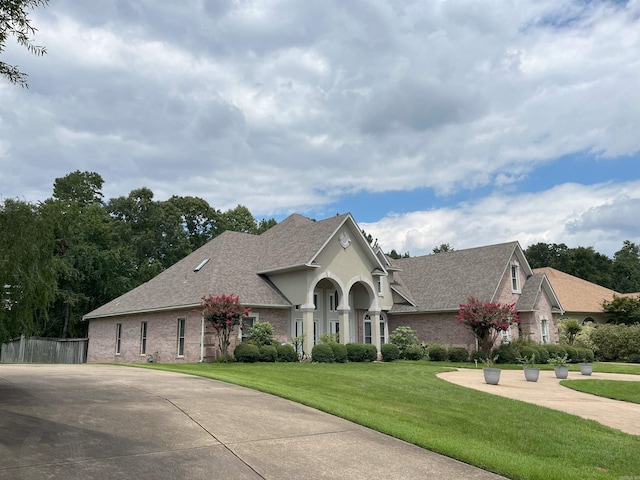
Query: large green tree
15	22
626	268
27	280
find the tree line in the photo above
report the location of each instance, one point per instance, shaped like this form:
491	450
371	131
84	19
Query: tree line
620	273
73	252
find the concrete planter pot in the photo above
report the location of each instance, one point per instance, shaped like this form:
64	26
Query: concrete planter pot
586	368
562	371
531	374
491	375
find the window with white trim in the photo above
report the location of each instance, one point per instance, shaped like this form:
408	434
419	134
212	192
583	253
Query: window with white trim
118	337
333	301
180	340
515	277
544	331
367	329
246	324
143	338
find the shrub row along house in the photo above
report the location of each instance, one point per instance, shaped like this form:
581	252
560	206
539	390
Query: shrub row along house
311	278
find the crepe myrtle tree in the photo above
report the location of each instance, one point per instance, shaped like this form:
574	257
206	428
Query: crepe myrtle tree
486	320
224	312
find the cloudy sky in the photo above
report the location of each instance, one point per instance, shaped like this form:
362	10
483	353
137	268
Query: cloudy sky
459	122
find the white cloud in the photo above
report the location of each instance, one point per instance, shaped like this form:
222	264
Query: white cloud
288	106
601	216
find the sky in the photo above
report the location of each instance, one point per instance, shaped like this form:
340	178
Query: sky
460	122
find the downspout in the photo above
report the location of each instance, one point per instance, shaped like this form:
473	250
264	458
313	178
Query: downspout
202	340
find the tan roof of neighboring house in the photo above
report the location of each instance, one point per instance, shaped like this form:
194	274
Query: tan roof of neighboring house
576	294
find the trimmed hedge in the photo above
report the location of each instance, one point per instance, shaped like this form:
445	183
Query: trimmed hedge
542	355
437	353
572	354
246	352
322	353
555	350
339	352
371	353
506	353
390	352
413	352
286	353
268	353
458	354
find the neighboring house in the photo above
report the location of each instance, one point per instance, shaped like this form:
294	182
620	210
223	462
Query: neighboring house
580	299
311	278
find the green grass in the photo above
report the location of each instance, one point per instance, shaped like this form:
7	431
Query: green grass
407	400
615	389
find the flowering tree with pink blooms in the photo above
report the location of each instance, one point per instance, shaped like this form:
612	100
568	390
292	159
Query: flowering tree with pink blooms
486	320
225	312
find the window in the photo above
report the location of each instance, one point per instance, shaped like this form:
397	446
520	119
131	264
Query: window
380	285
333	301
118	337
368	335
198	267
315	301
506	336
544	330
181	327
143	338
515	277
367	330
246	325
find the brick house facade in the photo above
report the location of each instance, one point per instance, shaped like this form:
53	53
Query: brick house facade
315	278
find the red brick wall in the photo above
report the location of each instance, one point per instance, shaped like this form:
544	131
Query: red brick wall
435	328
162	336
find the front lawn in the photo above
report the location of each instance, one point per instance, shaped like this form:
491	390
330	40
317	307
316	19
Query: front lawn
615	389
407	400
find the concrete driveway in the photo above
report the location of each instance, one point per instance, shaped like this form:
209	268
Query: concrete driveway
110	422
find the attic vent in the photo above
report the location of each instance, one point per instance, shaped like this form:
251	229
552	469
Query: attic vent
200	265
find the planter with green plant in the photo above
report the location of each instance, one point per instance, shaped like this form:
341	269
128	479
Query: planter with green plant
560	366
531	372
491	374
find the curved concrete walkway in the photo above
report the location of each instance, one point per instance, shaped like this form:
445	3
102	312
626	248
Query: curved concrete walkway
111	422
548	392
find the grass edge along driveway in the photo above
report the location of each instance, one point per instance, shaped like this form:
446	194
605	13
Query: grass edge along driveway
406	400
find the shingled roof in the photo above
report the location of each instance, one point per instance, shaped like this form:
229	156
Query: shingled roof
233	265
576	294
442	281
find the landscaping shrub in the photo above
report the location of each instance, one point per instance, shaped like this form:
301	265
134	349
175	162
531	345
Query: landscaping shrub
458	354
542	355
260	334
572	352
370	353
286	353
339	352
528	351
634	358
555	350
437	353
478	356
322	353
390	352
268	353
616	342
413	352
506	353
356	352
246	352
584	355
403	337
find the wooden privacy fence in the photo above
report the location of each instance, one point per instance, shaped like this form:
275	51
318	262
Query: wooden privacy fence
45	350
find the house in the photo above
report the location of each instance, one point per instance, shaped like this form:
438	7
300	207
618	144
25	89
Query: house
311	278
581	299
